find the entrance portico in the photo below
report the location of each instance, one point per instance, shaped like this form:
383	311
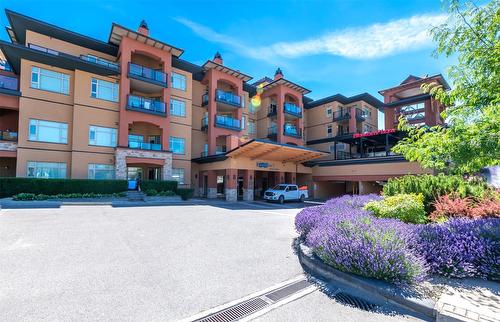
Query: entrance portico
247	171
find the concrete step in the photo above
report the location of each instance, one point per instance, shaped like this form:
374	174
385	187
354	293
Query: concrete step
135	195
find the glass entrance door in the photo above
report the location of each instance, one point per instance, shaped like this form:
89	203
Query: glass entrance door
133	175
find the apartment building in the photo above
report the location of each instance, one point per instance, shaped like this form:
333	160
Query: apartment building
72	106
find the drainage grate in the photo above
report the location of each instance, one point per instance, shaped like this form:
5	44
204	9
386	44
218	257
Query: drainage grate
236	312
287	290
239	311
354	301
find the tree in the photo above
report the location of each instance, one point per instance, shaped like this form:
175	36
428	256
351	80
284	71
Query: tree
471	139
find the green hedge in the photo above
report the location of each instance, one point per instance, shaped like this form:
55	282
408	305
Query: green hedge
185	193
431	187
159	185
13	186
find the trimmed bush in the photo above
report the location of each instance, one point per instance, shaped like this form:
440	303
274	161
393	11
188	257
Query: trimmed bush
185	193
13	186
166	193
408	208
32	196
151	192
159	185
431	187
462	247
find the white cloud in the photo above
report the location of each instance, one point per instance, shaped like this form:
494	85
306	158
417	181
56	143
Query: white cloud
373	41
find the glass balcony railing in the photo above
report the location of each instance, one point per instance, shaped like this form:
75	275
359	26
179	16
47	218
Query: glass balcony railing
272	130
341	115
8	136
227	122
4	65
8	82
100	61
361	115
146	104
273	110
147	74
204	99
144	145
291	130
292	109
204	123
228	98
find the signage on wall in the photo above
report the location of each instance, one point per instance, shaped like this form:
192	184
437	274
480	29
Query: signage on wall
361	135
264	165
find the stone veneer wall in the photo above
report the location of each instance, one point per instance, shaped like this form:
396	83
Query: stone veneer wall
8	146
121	155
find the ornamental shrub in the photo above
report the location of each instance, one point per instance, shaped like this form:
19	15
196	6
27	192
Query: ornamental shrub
408	208
462	247
431	187
448	206
369	246
159	185
32	196
185	193
151	192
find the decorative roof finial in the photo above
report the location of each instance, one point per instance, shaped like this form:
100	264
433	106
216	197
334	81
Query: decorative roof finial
143	24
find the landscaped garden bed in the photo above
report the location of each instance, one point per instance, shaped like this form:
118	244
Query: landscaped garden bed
409	234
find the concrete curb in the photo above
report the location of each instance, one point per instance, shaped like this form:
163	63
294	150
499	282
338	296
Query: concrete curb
116	203
316	267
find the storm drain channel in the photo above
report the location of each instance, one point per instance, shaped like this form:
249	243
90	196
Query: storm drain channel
246	308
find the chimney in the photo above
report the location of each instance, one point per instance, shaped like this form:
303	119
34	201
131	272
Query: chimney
278	74
218	58
143	28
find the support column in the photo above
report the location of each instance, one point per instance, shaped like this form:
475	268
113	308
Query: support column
352	120
231	185
211	184
279	177
248	185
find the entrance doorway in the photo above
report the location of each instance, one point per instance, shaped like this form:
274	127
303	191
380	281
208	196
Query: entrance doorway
134	174
154	173
240	187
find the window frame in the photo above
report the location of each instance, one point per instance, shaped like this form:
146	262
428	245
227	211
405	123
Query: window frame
329	130
62	139
114	86
91	167
35	70
170	142
63	166
97	127
173	75
172	107
182	181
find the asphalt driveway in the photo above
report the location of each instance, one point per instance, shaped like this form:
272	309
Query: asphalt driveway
147	263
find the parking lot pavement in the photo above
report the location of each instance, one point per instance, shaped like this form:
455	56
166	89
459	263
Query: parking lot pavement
150	263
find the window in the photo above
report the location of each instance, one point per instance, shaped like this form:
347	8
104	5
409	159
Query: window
102	136
104	90
47	170
178	175
101	171
46	131
49	80
251	127
243	122
178	81
329	112
329	130
177	108
177	145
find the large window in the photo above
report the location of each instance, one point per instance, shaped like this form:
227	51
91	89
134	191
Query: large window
178	175
251	127
104	90
46	131
47	170
102	136
329	112
101	171
178	81
177	108
329	130
49	80
177	145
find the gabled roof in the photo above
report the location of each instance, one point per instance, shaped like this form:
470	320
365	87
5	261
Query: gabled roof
347	100
410	78
19	23
118	32
413	80
289	84
210	64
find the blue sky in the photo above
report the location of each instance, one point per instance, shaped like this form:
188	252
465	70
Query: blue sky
329	47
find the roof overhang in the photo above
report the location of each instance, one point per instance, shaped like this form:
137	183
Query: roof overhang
118	32
429	79
289	84
14	52
19	23
210	64
272	151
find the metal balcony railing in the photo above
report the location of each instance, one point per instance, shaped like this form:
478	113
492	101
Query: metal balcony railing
147	74
8	82
272	130
292	109
227	122
290	130
146	104
273	110
204	99
100	61
361	115
228	98
144	145
341	115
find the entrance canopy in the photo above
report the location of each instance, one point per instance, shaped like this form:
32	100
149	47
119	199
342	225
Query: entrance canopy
269	150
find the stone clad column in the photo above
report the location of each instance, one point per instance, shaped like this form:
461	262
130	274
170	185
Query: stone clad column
248	185
211	184
231	185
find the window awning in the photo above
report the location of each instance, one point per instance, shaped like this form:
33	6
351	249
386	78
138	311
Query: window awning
268	150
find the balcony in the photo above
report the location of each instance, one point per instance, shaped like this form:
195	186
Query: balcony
272	132
361	116
292	109
146	105
151	76
144	145
227	122
204	123
292	131
204	100
273	110
9	85
228	98
100	62
4	65
8	136
341	116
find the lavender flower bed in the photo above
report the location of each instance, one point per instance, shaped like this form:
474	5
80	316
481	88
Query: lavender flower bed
349	238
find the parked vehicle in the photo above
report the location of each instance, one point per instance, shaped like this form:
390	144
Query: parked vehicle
284	192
